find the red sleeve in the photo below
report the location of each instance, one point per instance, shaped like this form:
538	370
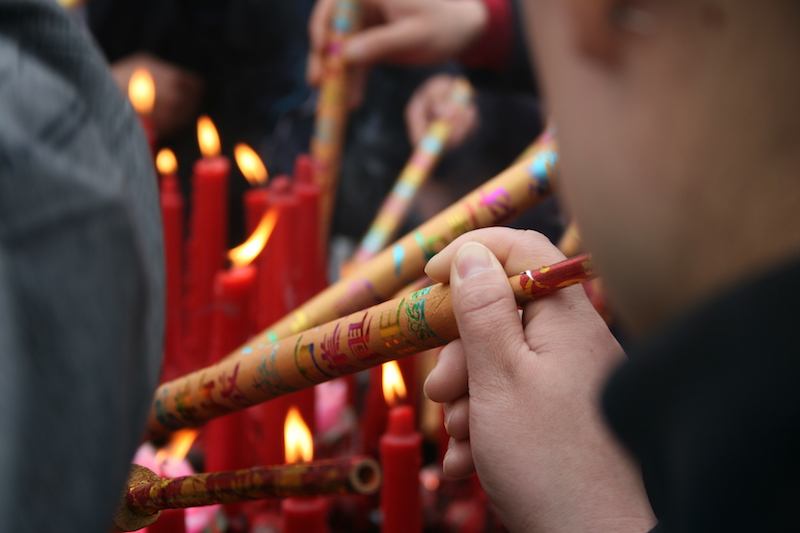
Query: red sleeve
493	49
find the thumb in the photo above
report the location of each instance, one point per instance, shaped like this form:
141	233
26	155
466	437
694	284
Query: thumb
487	315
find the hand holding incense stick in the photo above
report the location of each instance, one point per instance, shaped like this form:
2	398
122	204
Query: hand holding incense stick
147	495
259	371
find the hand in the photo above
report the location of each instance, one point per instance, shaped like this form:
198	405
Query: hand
522	393
178	91
410	32
430	102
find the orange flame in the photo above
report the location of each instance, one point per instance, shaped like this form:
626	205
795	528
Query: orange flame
166	163
250	164
142	91
178	446
207	137
394	388
245	253
297	440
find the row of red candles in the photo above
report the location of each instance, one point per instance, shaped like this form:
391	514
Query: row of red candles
223	307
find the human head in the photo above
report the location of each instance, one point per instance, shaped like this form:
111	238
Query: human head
679	129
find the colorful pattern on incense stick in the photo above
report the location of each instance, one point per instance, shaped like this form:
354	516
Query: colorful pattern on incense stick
395	208
391	330
510	193
331	118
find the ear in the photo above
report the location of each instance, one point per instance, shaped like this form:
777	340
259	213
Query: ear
599	26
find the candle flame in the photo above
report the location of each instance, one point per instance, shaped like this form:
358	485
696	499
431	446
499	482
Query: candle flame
394	388
207	137
250	164
298	443
142	91
245	253
178	446
166	163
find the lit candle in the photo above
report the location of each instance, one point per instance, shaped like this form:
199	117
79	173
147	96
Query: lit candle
208	232
142	94
171	462
301	515
172	220
254	171
401	460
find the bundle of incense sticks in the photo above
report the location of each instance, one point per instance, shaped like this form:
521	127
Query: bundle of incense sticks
331	119
426	155
499	200
147	495
258	371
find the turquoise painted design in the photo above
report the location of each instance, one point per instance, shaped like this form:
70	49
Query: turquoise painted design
404	190
431	144
167	419
269	378
271	336
540	170
417	323
398	253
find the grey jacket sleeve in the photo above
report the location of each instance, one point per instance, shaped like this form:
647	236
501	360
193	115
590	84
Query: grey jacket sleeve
81	276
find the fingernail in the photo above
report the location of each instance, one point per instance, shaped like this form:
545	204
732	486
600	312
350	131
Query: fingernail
472	259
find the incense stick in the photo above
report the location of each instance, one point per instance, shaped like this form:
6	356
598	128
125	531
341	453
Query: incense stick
331	119
146	500
258	371
426	155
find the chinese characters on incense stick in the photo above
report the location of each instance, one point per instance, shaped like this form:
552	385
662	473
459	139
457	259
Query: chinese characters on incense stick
258	372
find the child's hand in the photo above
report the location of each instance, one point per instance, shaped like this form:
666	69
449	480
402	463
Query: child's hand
521	393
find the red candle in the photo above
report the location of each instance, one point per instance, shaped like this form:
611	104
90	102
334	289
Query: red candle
275	289
301	515
375	415
227	439
311	268
401	460
170	521
172	220
277	296
207	241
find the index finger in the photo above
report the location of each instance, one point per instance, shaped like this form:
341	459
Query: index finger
517	250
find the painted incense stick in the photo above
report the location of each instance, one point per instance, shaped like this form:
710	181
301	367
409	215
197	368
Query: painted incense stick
423	160
258	371
499	200
331	119
147	496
